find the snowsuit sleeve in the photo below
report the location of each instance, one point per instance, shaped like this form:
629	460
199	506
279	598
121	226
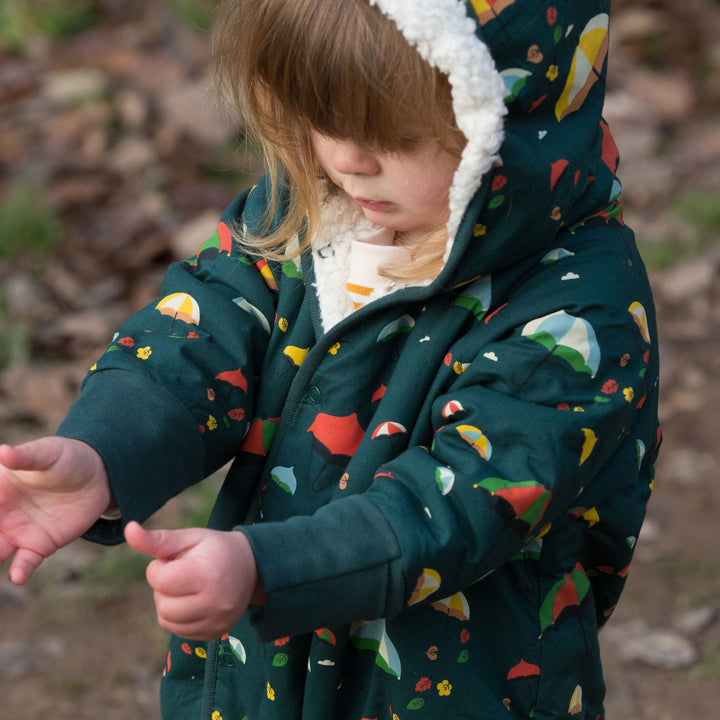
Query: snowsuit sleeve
531	441
169	401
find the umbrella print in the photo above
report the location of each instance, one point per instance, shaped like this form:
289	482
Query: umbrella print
259	436
475	437
403	324
477	298
452	409
554	255
373	636
514	79
235	378
586	68
294	356
524	502
389	430
335	438
427	584
524	670
640	318
566	596
565	336
455	606
241	302
180	306
326	635
285	478
444	479
486	10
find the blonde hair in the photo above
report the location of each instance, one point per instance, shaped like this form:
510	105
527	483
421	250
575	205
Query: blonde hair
339	67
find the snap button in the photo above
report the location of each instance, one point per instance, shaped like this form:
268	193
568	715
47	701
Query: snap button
314	394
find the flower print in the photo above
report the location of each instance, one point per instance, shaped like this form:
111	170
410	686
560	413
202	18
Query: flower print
479	230
237	414
464	635
201	652
610	387
423	684
551	15
563	406
270	692
334	349
624	360
283	324
552	73
444	688
629	394
556	213
432	652
144	352
186	649
217	716
126	342
499	182
646	356
641	402
282	641
211	423
192	335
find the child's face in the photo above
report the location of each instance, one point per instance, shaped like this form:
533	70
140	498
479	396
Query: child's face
405	191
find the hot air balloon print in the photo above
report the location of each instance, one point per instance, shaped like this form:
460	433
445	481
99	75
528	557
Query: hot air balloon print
335	439
521	503
180	306
373	636
565	598
565	336
477	297
587	65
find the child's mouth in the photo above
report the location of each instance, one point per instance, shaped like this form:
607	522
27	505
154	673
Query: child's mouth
374	205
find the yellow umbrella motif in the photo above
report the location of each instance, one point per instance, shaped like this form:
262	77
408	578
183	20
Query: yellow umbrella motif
477	439
640	318
486	10
180	306
426	585
586	66
455	606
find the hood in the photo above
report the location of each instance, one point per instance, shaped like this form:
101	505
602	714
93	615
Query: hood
528	82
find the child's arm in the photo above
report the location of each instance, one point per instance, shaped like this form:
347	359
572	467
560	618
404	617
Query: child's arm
51	491
203	580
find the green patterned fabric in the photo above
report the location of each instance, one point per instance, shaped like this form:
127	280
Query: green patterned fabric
444	490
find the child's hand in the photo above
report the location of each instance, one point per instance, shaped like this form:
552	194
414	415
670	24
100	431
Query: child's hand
51	491
203	580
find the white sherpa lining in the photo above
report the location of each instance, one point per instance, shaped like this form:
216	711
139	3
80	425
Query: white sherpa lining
444	35
340	223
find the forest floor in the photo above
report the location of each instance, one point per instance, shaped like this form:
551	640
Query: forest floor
114	161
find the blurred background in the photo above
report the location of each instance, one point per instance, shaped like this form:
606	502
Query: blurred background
114	161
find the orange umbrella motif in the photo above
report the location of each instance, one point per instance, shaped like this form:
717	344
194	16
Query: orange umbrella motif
455	606
477	439
180	306
234	377
335	438
427	584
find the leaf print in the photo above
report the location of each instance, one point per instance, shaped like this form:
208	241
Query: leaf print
464	656
415	704
280	659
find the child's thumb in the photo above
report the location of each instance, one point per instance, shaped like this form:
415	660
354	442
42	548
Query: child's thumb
161	544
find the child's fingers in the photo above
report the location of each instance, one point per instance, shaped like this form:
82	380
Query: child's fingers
23	565
35	455
160	544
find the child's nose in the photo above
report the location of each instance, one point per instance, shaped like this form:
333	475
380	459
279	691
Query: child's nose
349	158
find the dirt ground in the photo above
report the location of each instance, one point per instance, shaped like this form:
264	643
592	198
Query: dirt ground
113	132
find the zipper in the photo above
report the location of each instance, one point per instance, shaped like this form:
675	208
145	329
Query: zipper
210	682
